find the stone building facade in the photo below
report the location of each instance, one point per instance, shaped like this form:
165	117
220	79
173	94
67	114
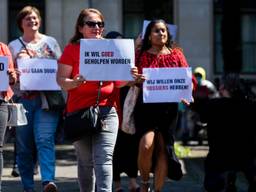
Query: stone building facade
194	18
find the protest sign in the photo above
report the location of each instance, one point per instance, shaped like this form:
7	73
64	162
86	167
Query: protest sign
172	29
106	59
4	79
167	85
38	74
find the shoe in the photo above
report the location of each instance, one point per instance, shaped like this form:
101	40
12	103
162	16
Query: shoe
50	187
15	172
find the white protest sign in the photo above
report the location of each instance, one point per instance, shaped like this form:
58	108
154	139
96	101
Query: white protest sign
38	74
106	59
167	85
4	79
172	29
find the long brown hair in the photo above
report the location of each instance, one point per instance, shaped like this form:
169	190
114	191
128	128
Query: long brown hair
24	12
146	44
80	23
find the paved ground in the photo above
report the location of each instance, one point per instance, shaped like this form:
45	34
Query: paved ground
66	172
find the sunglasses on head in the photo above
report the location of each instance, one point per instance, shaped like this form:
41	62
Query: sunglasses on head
93	24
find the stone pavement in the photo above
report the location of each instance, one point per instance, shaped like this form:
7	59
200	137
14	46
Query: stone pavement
66	172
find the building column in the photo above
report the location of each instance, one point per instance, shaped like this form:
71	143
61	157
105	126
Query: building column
61	18
4	21
53	17
113	14
194	19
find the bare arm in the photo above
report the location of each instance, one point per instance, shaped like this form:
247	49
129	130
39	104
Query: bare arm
64	77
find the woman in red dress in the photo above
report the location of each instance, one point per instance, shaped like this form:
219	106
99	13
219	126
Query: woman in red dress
154	121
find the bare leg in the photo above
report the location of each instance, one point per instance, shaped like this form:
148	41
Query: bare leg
146	148
161	164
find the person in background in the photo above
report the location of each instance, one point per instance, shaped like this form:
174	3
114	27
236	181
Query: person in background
5	96
152	120
204	91
94	152
205	88
126	148
231	136
42	122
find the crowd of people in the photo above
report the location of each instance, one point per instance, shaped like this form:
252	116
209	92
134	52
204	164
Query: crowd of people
102	157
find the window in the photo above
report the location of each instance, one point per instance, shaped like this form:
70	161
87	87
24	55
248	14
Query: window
249	43
135	11
218	47
247	30
14	6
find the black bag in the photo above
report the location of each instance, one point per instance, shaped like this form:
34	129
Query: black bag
55	100
174	166
81	123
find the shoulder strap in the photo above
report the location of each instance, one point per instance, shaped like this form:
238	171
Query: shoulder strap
98	96
2	48
25	47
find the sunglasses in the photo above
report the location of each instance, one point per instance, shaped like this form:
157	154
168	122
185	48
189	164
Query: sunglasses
93	24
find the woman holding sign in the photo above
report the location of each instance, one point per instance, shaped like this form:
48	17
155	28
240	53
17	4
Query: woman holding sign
154	121
124	161
42	122
5	95
94	152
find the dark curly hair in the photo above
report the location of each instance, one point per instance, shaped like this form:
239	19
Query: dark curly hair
146	44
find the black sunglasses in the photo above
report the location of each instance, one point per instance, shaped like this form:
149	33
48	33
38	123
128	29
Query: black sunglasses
93	24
